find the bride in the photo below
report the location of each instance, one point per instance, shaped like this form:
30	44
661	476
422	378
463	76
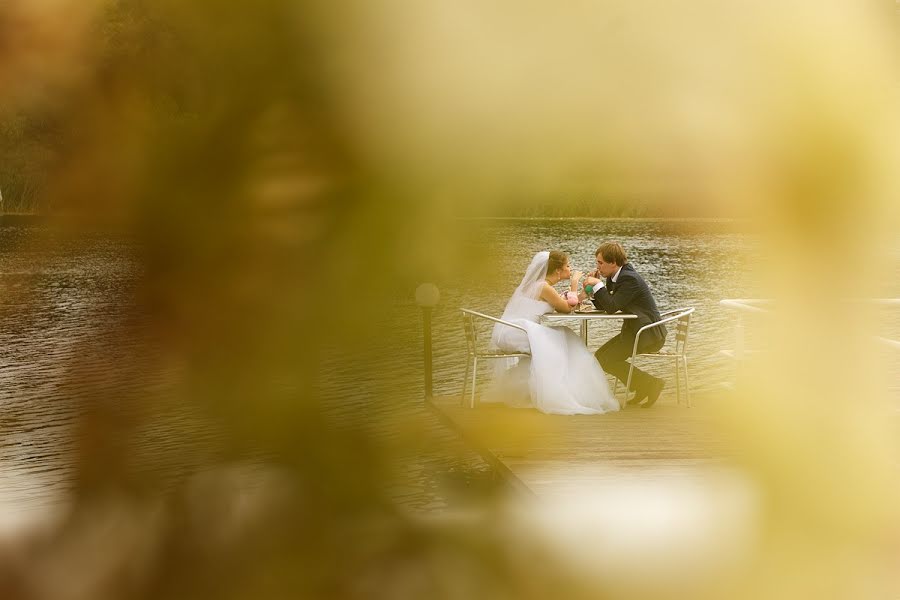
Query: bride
562	376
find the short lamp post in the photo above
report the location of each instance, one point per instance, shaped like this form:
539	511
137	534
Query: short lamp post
427	296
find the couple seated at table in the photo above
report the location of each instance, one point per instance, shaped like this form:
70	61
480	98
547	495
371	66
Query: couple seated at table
562	376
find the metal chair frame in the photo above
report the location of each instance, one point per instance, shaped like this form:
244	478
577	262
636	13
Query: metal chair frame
473	354
678	354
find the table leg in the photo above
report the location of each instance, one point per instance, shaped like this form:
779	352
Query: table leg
584	331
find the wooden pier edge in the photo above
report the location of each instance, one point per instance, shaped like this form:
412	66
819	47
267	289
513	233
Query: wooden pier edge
489	457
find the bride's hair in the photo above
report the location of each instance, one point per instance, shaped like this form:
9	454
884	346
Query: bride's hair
556	261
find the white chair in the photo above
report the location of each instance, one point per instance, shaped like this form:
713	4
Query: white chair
682	317
473	351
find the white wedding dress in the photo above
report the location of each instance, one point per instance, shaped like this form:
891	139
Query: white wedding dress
562	377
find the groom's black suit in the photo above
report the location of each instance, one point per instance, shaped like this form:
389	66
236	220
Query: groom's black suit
629	294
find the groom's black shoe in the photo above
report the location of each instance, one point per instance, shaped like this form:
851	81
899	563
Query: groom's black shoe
653	392
639	396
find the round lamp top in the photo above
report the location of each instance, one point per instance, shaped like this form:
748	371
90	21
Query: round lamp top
427	295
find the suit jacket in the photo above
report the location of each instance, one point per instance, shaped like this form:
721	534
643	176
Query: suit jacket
630	294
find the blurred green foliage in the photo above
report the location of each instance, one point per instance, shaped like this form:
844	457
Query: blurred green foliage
278	160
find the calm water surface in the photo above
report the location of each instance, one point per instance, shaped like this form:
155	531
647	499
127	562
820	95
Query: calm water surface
67	301
67	327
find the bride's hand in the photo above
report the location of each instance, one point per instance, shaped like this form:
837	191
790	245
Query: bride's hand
576	276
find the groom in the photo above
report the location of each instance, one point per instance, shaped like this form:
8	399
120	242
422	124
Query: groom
626	291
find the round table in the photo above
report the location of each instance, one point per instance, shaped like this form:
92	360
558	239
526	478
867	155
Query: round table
584	318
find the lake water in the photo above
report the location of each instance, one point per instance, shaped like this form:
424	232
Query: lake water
67	300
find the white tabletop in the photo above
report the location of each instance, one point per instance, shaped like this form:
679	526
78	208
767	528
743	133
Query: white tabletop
585	317
596	314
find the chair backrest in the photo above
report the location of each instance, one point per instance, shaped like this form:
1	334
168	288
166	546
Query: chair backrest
682	326
471	329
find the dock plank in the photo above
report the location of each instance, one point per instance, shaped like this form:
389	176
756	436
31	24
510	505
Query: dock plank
549	455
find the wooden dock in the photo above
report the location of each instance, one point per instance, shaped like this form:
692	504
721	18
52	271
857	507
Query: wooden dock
552	455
